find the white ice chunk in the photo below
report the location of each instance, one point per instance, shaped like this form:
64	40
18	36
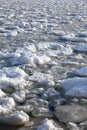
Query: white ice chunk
81	72
2	94
13	76
11	33
41	59
16	119
75	87
42	46
19	96
32	60
48	125
7	105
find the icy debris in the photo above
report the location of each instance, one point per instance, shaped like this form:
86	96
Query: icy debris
16	119
31	59
23	24
72	126
72	38
71	113
49	125
12	55
2	94
50	93
7	105
42	112
12	33
9	55
20	52
40	60
37	103
54	49
80	48
35	91
12	72
12	78
19	96
59	51
11	28
42	79
56	32
25	108
77	57
37	54
38	107
81	34
8	101
71	63
42	46
81	72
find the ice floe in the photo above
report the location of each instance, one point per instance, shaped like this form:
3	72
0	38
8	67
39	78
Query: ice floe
42	112
53	49
73	113
12	78
16	119
31	60
37	103
19	96
7	105
50	93
75	87
49	125
81	72
12	33
81	34
42	79
72	38
36	106
36	54
81	48
56	32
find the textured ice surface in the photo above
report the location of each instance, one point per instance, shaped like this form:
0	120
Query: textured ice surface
19	96
48	125
18	118
42	79
81	72
12	77
7	105
81	48
73	38
2	94
75	87
41	38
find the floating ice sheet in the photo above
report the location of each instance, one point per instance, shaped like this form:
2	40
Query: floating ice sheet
75	87
12	77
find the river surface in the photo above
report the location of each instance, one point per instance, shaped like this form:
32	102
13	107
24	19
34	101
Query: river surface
43	22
